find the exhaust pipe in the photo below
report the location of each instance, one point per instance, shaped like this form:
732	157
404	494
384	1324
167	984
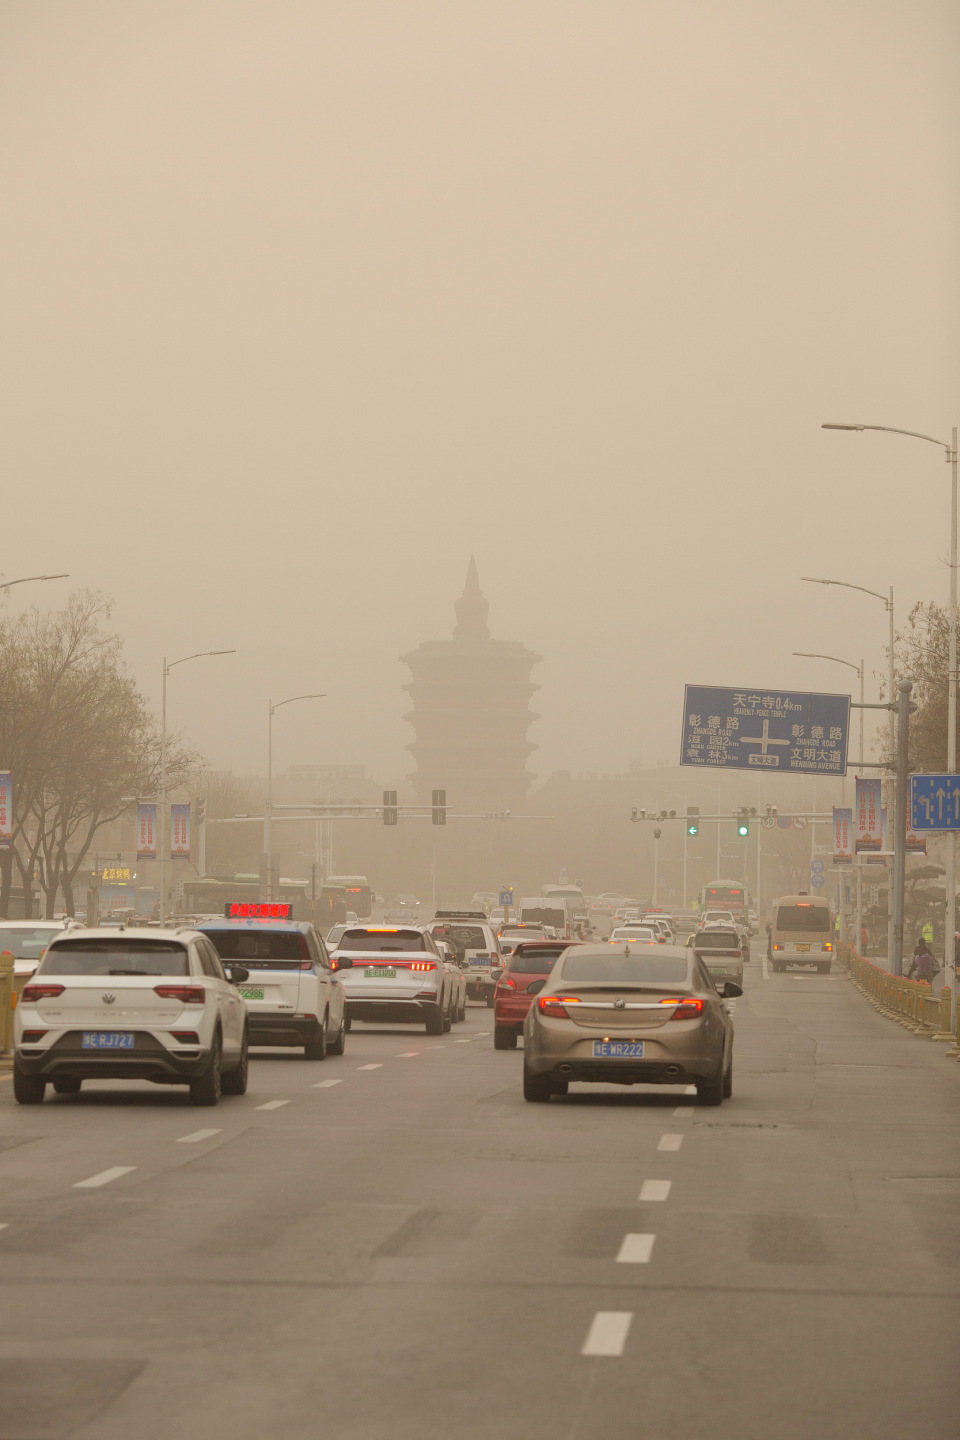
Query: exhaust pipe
672	1070
565	1069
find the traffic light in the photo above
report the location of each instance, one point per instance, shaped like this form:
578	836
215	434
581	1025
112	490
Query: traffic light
439	807
743	827
693	819
389	807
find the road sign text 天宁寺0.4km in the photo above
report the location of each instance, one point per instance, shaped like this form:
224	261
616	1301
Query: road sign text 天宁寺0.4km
935	802
790	731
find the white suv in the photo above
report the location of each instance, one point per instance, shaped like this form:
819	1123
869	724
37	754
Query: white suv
394	973
131	1005
470	933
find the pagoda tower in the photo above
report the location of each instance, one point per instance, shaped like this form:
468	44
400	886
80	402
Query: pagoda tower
471	698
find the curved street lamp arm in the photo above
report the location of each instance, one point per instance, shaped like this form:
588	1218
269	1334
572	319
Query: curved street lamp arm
848	585
892	430
199	654
293	698
25	579
815	655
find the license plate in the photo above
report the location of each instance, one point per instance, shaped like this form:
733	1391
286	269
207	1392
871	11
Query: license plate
721	970
380	972
618	1049
107	1040
484	963
251	992
804	948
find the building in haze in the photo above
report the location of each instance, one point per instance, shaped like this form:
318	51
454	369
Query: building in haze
471	712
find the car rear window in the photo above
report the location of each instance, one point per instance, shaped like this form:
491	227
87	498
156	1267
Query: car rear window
533	962
471	937
271	949
803	917
633	932
115	957
640	967
375	941
718	940
28	944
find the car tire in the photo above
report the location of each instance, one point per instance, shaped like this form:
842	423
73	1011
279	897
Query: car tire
27	1089
235	1081
728	1082
447	1022
348	1024
67	1085
559	1087
710	1091
434	1022
338	1045
536	1088
462	1012
317	1049
206	1088
504	1039
489	999
823	969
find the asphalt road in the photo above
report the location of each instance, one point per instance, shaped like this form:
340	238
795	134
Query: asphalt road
394	1246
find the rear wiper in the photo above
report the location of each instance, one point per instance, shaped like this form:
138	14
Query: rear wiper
135	972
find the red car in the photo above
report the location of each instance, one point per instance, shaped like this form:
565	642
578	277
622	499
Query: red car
531	960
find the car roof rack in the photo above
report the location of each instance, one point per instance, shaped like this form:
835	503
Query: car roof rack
460	915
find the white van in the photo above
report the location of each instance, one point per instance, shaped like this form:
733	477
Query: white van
550	910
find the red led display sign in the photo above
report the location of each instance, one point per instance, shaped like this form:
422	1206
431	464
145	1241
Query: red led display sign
258	910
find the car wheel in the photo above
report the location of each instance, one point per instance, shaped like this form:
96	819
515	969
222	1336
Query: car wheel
489	999
504	1039
559	1087
447	1022
462	1012
67	1085
434	1022
536	1087
235	1081
317	1049
27	1089
338	1045
205	1089
823	969
348	1025
710	1092
728	1082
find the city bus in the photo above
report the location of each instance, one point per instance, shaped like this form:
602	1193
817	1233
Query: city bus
802	933
208	896
729	895
356	891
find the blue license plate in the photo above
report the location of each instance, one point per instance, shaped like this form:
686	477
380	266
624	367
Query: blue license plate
475	961
618	1049
108	1040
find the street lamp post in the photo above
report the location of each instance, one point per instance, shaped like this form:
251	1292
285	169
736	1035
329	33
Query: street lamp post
163	763
268	807
950	454
26	579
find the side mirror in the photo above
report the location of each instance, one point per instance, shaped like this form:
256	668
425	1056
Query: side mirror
342	962
237	974
496	973
535	987
731	990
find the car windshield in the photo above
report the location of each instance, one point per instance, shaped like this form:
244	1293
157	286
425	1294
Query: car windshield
640	967
115	957
803	917
28	944
374	941
532	962
276	949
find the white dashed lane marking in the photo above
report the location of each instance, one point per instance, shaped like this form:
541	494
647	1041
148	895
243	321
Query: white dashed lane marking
670	1142
636	1249
766	971
608	1333
407	1054
325	1084
683	1112
655	1189
3	1226
378	1066
197	1136
104	1177
272	1105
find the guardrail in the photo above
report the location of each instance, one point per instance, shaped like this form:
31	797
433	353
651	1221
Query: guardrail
7	1002
910	1002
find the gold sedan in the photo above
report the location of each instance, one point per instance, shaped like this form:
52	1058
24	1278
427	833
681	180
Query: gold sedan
619	1014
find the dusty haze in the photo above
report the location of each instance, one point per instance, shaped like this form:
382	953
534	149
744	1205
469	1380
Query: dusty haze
306	302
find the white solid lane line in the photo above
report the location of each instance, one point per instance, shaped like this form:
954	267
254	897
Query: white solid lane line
636	1249
655	1189
197	1136
325	1084
670	1142
272	1105
766	971
683	1112
370	1067
104	1177
608	1333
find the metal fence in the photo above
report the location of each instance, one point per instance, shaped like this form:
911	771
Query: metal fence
911	1002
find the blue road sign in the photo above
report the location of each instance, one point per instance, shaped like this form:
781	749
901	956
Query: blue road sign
816	867
506	897
789	731
935	802
816	881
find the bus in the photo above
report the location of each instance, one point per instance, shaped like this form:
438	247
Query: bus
208	896
801	933
726	895
356	890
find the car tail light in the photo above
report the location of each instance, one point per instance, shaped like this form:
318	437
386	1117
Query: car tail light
186	1037
426	994
555	1005
306	964
688	1007
828	946
778	947
423	965
186	994
32	993
505	984
30	1037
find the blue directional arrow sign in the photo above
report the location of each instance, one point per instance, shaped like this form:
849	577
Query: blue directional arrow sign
935	802
792	732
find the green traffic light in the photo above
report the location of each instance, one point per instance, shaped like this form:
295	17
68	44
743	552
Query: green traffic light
743	828
693	829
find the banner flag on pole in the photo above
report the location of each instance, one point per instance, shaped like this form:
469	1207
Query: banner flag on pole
6	809
180	832
146	832
842	847
869	830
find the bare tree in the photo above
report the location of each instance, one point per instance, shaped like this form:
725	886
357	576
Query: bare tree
922	654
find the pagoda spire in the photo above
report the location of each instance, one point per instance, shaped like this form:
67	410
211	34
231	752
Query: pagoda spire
472	608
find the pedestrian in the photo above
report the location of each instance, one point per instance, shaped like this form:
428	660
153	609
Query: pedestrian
922	966
927	933
864	939
769	940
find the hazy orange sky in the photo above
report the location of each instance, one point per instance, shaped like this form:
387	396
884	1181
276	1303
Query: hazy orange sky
304	302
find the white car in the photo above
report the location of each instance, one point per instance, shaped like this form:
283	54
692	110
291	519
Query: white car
132	1005
26	940
471	933
394	974
292	995
455	969
642	934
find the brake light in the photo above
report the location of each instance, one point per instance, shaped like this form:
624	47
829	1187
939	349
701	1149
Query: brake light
30	1037
186	1037
827	946
186	994
423	965
32	993
555	1005
506	984
688	1007
778	947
